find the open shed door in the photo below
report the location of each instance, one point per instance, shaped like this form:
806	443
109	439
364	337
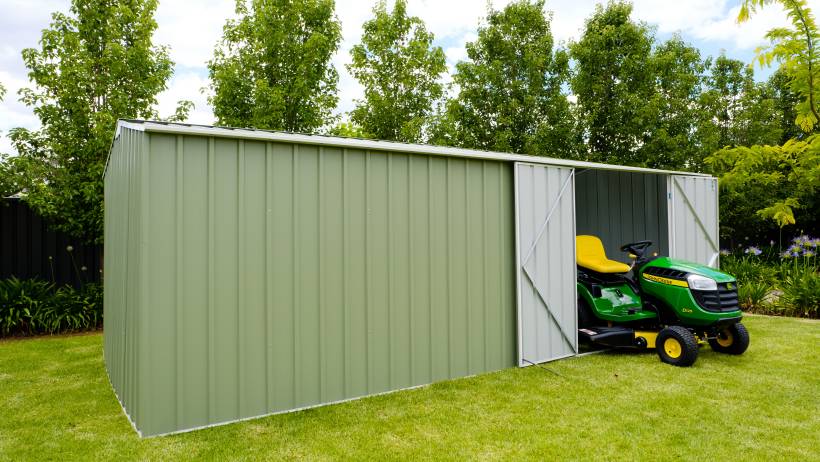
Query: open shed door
693	219
546	275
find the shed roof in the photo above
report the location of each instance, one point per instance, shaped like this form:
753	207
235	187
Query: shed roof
366	144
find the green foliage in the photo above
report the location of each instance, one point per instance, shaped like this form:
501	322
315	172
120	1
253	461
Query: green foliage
400	70
667	140
349	130
612	83
272	68
763	183
801	292
31	306
510	89
794	49
782	284
748	269
734	110
753	295
94	65
2	92
20	303
785	102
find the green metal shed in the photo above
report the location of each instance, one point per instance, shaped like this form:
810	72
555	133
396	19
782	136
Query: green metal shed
251	272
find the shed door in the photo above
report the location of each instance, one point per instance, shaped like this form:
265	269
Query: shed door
545	246
693	219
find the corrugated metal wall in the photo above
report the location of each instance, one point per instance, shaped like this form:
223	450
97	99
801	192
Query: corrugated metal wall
125	340
279	276
693	219
546	263
622	207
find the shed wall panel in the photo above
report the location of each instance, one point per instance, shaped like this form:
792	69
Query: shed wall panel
622	207
278	276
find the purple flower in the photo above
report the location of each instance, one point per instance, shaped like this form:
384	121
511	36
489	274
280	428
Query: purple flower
795	248
785	254
725	252
752	250
808	253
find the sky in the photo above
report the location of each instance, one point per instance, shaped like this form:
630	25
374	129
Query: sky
707	24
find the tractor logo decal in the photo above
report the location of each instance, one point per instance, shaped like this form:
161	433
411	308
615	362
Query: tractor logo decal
730	286
671	282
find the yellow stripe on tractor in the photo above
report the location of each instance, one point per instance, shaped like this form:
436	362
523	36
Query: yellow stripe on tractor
671	282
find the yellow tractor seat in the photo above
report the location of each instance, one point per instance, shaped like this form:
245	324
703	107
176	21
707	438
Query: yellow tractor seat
589	254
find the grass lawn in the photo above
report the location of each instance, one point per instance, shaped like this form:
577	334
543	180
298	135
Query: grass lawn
56	403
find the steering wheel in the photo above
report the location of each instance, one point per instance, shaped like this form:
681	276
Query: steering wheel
636	248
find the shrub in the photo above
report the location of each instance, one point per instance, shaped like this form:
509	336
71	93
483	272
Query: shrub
30	306
753	295
748	268
801	292
20	301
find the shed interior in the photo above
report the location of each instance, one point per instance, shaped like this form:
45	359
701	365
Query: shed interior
622	207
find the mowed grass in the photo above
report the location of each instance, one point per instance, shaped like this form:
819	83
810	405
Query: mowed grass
56	403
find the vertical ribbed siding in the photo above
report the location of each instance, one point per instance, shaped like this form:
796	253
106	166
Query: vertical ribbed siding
693	219
123	267
545	263
281	276
622	207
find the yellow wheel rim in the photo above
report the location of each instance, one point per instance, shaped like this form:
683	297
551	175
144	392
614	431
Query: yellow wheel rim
672	347
725	338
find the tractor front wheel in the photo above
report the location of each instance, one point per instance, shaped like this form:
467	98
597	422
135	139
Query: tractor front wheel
677	346
733	340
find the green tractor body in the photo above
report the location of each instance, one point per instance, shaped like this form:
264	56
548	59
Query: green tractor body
667	304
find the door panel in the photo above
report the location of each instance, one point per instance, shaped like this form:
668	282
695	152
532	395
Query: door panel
545	249
693	219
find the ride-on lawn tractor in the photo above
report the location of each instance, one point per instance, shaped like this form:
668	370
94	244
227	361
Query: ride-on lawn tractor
666	304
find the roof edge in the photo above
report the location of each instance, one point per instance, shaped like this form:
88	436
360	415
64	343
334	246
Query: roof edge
365	144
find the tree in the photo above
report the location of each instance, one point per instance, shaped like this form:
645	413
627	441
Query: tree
677	69
94	65
510	89
778	183
734	110
763	186
795	49
272	68
612	83
399	68
785	102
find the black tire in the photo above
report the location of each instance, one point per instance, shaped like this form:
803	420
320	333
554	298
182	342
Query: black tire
585	316
734	340
677	346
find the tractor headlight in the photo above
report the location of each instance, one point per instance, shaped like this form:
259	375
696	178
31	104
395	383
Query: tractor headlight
697	282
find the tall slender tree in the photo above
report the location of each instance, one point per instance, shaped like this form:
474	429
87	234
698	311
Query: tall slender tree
734	110
613	81
94	65
510	95
273	67
677	69
400	70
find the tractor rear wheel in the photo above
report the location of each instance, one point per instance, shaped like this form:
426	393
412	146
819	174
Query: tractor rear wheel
585	316
677	346
733	340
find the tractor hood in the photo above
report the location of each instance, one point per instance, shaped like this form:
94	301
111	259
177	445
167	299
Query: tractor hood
691	268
